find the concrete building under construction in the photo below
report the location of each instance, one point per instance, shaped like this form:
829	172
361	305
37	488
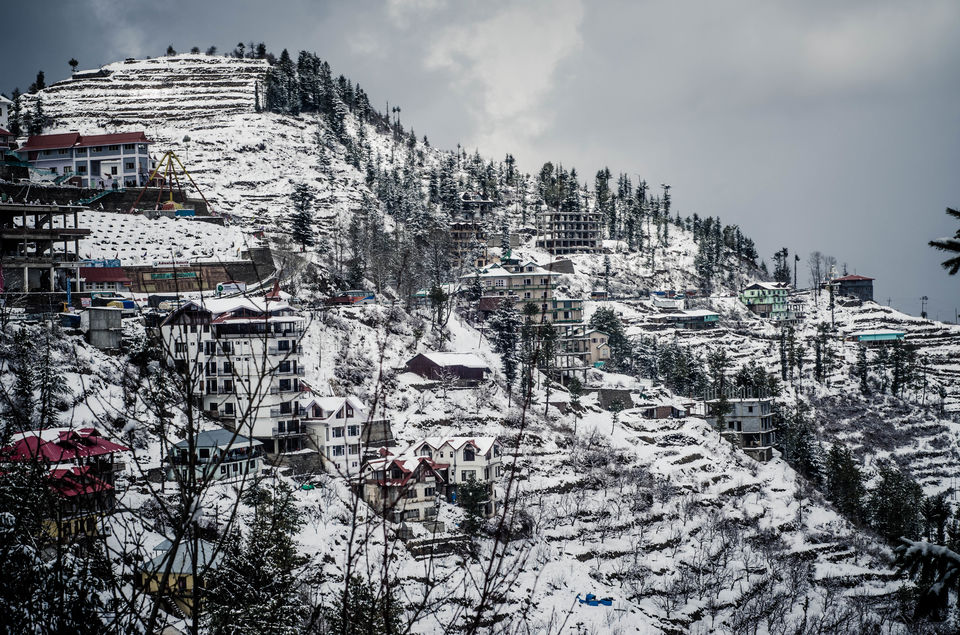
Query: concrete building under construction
568	232
39	246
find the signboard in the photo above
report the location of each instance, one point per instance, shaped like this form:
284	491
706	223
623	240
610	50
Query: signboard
85	302
171	275
113	262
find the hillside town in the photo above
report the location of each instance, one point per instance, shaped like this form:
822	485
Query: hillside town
275	355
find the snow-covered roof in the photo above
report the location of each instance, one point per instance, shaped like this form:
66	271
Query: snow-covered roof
219	438
877	332
769	286
331	405
183	557
467	360
483	444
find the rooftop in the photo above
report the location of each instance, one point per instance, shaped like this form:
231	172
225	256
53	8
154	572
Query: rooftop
76	140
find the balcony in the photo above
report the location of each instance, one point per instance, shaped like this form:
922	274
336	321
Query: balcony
293	371
274	350
277	434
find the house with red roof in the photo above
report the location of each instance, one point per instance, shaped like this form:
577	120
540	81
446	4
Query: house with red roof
6	140
403	487
855	286
405	484
103	160
80	468
104	279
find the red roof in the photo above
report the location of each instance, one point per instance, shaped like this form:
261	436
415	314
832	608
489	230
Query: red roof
75	481
851	278
60	445
52	141
5	132
104	274
74	139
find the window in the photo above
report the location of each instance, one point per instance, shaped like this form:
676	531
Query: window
500	283
411	493
128	146
429	491
228	408
466	475
128	165
227	386
411	513
354	448
204	453
285	408
81	169
338	450
223	469
113	148
469	454
252	465
283	345
486	473
284	367
193	328
353	431
338	433
113	169
80	152
211	386
284	385
749	408
227	368
180	348
211	367
98	148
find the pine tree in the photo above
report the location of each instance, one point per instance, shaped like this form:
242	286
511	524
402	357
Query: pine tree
505	325
73	64
621	351
52	386
170	51
20	410
472	496
863	370
360	610
844	482
15	114
301	220
951	246
38	120
254	588
894	505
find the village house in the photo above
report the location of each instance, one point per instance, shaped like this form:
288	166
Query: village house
692	319
860	287
180	586
94	279
81	468
462	368
92	160
768	300
663	410
582	348
245	355
343	430
463	459
6	140
522	283
217	454
406	485
748	425
402	487
877	337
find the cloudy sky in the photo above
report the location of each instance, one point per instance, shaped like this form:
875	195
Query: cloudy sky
813	125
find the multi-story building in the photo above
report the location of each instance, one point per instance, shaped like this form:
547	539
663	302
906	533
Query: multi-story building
402	487
748	424
92	160
175	574
219	454
94	279
768	300
82	468
462	459
468	230
855	286
39	246
568	232
406	485
344	431
582	347
243	356
523	283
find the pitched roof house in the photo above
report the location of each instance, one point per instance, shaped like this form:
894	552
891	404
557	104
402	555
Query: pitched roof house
465	368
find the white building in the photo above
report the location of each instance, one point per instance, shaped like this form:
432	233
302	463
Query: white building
5	106
243	357
121	159
342	430
219	454
405	485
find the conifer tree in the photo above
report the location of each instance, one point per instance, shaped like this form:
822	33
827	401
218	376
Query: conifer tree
301	220
863	370
360	610
951	246
255	588
505	324
621	351
895	504
844	482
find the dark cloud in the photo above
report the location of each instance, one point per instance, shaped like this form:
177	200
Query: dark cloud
814	125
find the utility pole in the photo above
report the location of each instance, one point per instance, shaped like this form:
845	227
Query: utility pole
833	323
796	259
